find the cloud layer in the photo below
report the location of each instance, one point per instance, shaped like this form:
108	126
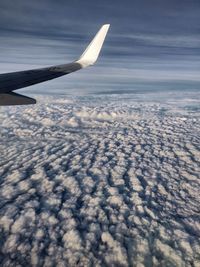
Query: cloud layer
100	181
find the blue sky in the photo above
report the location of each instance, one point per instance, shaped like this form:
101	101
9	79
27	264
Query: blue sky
152	45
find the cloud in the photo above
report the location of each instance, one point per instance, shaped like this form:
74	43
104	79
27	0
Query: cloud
101	180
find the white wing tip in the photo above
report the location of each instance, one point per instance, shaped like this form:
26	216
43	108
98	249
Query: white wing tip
90	55
106	26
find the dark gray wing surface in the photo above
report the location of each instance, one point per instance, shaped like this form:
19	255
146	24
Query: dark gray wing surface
16	80
11	99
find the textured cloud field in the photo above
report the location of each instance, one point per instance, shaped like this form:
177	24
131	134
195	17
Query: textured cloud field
100	181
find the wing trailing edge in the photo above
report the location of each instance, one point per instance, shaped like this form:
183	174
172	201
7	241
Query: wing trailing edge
11	99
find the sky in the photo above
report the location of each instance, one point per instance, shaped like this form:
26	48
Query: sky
151	45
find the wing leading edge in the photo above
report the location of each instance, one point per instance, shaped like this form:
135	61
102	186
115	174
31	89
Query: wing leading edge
16	80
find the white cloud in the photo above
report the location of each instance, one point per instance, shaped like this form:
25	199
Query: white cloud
104	182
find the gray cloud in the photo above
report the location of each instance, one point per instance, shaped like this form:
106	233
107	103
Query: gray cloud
101	180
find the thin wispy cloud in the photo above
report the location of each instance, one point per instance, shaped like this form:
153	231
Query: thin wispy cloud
143	34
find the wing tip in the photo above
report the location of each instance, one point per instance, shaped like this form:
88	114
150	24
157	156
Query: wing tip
91	54
107	25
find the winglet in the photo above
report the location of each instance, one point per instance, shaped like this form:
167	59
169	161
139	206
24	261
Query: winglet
90	55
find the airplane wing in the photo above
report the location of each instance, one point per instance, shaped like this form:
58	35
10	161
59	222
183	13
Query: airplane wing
12	99
16	80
